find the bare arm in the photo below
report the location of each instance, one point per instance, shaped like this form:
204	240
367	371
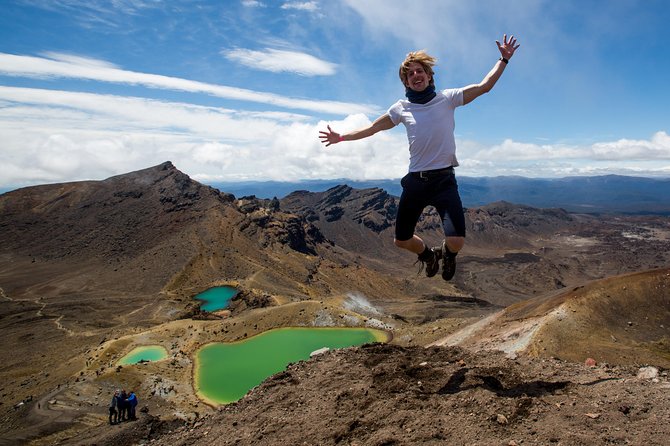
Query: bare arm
382	123
507	49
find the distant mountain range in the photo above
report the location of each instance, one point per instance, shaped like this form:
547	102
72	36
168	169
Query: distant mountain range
600	194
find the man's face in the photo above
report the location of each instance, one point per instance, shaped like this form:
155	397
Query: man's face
417	78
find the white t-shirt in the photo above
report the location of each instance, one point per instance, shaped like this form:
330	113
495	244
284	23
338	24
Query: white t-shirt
430	129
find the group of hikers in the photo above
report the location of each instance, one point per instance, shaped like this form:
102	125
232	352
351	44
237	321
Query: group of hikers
122	407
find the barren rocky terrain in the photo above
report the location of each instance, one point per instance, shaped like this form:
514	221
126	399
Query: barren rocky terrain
89	270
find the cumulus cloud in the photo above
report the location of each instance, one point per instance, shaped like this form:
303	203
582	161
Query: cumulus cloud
656	148
623	156
53	136
67	66
281	61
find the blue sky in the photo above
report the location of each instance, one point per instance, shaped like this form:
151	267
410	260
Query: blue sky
230	90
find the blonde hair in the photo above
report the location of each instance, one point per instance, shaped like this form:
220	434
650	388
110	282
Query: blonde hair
426	60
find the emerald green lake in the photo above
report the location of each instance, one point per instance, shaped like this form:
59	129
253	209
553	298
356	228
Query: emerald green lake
216	298
225	372
144	353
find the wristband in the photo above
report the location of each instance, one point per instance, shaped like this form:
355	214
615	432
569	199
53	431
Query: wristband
340	139
504	60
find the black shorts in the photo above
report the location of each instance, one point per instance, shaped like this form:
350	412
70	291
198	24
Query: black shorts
434	189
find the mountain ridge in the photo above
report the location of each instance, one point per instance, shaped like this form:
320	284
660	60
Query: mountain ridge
598	194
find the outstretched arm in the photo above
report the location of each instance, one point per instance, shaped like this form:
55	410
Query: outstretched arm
382	123
507	49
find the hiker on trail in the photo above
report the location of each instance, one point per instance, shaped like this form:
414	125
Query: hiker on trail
113	414
132	404
428	116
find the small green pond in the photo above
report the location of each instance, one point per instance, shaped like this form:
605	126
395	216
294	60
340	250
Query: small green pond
225	372
216	298
144	353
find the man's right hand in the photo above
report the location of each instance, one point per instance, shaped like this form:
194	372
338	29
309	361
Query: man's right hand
330	137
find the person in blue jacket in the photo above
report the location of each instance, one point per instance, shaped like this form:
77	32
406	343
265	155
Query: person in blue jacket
132	404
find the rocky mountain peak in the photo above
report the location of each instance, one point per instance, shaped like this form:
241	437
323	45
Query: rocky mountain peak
374	207
89	217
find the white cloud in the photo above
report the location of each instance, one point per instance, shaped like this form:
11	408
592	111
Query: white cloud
625	157
66	66
304	6
56	136
88	111
215	153
281	60
656	148
75	60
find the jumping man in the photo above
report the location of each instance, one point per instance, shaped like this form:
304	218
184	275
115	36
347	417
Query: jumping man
428	117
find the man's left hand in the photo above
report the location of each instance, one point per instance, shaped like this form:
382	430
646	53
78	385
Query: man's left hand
508	47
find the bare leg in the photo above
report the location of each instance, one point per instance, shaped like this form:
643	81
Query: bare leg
455	244
415	244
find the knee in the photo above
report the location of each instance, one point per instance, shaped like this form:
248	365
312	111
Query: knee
404	244
455	244
399	243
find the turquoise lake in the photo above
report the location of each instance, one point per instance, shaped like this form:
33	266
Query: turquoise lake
144	353
216	298
225	372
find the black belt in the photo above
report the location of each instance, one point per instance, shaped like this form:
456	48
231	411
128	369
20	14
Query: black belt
432	173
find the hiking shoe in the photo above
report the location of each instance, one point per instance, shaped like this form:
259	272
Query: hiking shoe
431	262
448	263
433	265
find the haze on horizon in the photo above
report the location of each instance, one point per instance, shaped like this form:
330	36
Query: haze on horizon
238	90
